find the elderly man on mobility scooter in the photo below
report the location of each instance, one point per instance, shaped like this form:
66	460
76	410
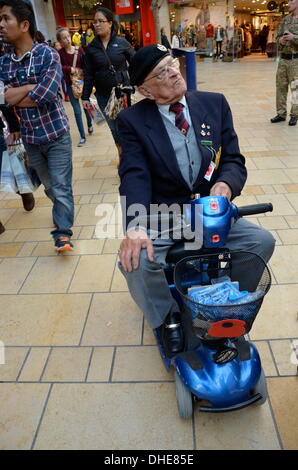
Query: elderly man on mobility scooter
175	144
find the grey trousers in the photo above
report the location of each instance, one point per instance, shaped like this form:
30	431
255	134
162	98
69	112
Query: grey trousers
148	285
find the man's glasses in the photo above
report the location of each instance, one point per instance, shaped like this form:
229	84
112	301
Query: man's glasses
100	21
163	73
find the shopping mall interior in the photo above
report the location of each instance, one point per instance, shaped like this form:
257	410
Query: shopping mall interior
246	26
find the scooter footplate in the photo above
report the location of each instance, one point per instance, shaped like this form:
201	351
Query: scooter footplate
239	406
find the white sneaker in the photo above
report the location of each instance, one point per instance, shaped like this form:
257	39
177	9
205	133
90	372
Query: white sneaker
82	142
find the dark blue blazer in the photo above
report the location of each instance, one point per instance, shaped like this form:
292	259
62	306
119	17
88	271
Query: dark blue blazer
149	170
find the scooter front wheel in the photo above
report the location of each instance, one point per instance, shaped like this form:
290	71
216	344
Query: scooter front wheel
184	398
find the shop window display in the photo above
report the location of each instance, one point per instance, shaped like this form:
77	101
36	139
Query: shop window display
243	33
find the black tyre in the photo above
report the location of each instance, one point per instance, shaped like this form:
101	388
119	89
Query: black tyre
184	398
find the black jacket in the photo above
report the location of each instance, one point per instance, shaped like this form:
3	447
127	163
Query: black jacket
11	119
96	65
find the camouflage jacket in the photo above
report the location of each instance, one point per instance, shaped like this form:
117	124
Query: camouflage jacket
289	23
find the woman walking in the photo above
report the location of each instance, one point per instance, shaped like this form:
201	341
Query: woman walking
67	56
106	64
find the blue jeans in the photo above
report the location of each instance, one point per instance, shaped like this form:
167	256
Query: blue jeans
112	123
75	103
52	162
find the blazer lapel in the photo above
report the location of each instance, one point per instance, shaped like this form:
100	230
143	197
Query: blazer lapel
161	141
199	117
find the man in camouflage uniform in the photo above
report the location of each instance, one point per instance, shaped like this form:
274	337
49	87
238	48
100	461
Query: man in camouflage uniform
287	71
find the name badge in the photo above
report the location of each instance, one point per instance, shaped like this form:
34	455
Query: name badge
209	172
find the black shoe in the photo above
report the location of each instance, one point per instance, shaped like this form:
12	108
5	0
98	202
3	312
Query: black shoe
28	201
2	228
293	121
277	118
172	334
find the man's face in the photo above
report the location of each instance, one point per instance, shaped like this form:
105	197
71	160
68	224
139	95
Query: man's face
164	84
292	5
10	29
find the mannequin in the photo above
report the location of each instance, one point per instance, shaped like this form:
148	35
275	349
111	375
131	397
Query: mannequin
175	41
209	28
219	37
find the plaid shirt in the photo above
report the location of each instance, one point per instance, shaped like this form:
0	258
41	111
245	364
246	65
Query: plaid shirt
41	66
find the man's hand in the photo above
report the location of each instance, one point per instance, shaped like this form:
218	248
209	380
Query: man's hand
15	136
221	189
85	104
27	103
286	37
14	95
283	41
130	249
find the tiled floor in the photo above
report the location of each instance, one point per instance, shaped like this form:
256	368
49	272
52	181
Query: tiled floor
82	370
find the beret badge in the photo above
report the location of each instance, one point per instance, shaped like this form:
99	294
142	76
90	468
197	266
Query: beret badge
161	47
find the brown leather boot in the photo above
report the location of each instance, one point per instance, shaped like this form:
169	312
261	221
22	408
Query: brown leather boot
28	201
2	228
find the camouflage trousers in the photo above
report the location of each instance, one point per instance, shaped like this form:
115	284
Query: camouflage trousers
287	75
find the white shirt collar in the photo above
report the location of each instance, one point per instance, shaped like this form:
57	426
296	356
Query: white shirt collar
164	108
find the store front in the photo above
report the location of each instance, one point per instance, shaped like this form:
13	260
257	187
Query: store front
262	26
239	27
208	26
134	17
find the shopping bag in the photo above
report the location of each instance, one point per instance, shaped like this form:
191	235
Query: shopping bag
77	83
14	175
7	179
31	171
117	102
77	77
95	112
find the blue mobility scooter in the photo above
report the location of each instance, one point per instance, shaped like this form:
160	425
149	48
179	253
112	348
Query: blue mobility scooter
219	367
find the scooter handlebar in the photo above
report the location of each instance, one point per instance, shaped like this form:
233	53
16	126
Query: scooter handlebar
255	209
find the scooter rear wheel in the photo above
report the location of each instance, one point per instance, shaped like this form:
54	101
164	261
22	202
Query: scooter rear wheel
184	398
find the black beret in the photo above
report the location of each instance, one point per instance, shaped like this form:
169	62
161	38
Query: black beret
144	60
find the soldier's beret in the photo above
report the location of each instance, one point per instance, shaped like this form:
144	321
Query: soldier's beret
144	60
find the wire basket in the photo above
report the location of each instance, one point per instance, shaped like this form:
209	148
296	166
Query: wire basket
248	269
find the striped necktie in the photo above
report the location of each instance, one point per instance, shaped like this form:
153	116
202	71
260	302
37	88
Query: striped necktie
180	121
